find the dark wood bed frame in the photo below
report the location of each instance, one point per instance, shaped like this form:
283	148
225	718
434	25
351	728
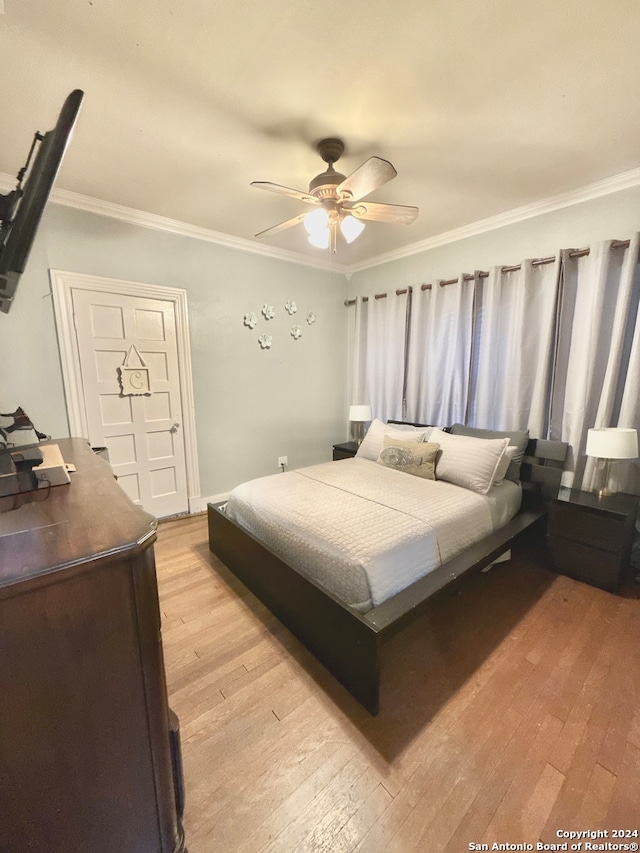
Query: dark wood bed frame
349	643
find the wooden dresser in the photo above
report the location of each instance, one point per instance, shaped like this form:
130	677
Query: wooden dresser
88	761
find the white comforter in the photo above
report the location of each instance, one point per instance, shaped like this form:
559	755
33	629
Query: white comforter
365	531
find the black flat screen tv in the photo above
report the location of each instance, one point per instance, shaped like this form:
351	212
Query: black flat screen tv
22	208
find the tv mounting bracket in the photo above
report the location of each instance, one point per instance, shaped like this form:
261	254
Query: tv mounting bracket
9	201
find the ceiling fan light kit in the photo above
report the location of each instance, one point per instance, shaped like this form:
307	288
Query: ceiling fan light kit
351	228
321	224
337	199
316	221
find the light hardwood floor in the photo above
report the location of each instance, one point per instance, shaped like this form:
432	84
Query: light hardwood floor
509	712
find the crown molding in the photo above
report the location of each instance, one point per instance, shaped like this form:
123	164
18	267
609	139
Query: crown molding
174	226
625	180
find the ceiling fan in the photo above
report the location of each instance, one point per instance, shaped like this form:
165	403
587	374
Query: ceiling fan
338	200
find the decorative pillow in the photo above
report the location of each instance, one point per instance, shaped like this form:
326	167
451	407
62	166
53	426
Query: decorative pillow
504	463
412	457
17	430
517	438
468	462
372	442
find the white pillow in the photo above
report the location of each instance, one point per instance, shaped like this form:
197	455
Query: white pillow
468	462
372	442
503	464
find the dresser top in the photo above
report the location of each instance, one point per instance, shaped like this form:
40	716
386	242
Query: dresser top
54	528
619	504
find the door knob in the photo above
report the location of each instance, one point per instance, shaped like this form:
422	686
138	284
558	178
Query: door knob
175	427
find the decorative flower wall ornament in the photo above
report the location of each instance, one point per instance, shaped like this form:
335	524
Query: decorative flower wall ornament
250	320
265	341
291	307
296	332
268	311
311	318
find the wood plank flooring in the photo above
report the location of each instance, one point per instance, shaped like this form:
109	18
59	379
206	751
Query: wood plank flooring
510	711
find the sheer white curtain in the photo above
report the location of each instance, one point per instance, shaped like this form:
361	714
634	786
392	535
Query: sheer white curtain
439	353
515	326
377	370
628	479
595	384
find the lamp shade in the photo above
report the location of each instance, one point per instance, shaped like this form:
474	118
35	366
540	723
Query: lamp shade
351	228
317	225
320	239
359	413
612	443
316	220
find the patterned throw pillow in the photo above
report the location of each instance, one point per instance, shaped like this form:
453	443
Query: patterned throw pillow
17	430
412	457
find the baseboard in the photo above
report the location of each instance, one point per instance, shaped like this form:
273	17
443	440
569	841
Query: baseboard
199	504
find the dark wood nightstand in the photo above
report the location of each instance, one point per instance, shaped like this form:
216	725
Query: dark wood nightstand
345	451
590	537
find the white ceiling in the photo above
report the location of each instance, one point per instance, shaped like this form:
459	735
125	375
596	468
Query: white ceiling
483	106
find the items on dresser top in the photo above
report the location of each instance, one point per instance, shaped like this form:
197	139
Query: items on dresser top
26	469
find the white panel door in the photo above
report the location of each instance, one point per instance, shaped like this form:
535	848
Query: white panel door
135	413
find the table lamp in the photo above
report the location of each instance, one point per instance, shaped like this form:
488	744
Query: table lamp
359	415
610	444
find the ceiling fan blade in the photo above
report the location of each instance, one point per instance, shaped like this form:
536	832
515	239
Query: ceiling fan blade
372	174
400	214
269	232
278	188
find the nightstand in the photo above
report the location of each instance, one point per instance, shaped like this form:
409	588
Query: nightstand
590	537
345	451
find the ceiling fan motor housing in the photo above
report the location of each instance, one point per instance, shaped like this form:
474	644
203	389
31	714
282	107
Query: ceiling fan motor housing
331	150
323	186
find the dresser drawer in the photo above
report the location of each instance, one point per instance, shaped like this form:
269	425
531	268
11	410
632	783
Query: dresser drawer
598	568
589	527
341	454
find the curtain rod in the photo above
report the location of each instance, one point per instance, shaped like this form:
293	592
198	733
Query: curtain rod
573	253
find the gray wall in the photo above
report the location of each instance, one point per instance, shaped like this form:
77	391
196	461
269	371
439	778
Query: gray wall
251	405
614	216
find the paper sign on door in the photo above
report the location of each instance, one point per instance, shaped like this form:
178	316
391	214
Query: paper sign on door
133	375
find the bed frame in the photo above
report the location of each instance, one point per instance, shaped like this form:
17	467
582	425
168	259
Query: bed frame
349	643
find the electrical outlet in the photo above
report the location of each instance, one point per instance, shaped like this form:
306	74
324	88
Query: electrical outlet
283	461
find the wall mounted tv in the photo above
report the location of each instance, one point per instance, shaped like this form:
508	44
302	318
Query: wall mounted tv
22	208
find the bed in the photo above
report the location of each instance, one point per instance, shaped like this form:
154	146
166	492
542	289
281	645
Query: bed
347	553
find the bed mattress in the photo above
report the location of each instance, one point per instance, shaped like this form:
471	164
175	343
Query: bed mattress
365	531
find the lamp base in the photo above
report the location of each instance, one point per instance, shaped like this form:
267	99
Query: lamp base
357	431
606	493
